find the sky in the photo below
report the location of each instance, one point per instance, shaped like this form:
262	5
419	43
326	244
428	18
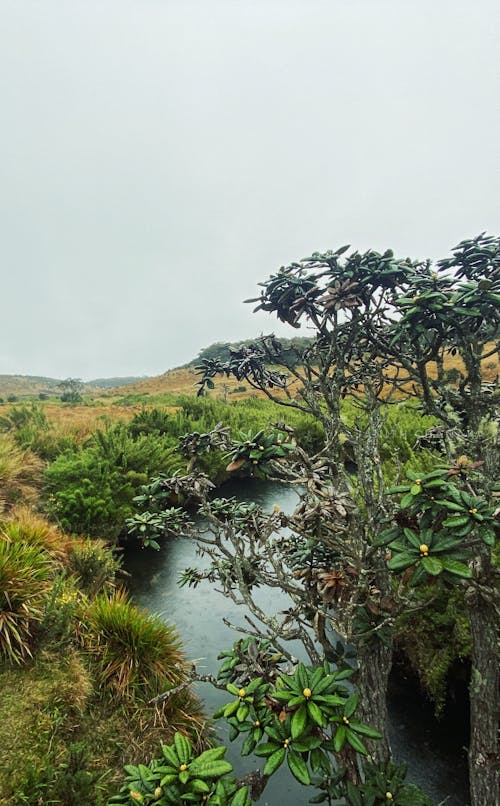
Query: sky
160	158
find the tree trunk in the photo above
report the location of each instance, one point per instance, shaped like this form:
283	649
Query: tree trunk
483	693
375	661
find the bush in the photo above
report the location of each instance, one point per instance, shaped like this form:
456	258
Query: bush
91	490
24	582
136	655
93	564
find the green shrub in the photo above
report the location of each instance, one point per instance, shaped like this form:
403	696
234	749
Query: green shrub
91	490
150	421
135	654
93	564
66	783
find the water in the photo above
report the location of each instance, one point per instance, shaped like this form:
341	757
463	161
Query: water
436	765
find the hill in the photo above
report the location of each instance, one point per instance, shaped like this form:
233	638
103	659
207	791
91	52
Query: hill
21	386
111	383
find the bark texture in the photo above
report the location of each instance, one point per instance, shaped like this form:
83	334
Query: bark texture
484	702
375	661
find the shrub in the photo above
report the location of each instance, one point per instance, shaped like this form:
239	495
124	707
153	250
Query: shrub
150	421
24	582
93	564
91	490
136	655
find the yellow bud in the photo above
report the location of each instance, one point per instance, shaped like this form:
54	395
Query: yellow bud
286	742
136	796
183	768
418	481
307	693
345	720
241	692
276	508
473	511
424	549
158	792
257	723
388	795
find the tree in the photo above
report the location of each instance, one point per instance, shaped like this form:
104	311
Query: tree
385	330
71	390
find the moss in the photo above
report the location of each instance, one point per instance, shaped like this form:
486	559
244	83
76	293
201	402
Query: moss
52	705
434	638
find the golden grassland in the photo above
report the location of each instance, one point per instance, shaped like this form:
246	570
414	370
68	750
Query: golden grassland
183	381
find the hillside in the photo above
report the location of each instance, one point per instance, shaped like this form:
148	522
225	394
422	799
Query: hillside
33	385
183	381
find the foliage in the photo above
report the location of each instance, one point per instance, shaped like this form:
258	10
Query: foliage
93	564
91	490
435	638
24	576
384	330
181	777
150	421
70	783
136	655
71	390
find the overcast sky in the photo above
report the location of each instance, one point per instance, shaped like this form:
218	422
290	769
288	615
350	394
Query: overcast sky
161	157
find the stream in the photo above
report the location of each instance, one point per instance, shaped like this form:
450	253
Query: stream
433	751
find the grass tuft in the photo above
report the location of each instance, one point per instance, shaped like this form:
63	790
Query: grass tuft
136	655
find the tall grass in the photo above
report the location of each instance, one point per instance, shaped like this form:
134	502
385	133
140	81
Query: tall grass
135	654
25	525
24	583
20	474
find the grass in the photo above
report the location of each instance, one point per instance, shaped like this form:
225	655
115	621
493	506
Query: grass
52	703
24	584
20	474
27	526
135	654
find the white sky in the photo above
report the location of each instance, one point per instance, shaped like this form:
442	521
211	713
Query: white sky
159	158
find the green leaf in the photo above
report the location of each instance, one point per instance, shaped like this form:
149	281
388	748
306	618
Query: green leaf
399	562
416	489
432	565
351	705
183	748
248	745
299	722
197	785
339	738
412	538
355	742
456	520
315	713
266	749
455	567
365	730
274	761
406	501
241	798
298	768
487	536
212	769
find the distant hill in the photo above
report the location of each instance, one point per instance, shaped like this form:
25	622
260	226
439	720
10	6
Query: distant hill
27	385
110	383
23	386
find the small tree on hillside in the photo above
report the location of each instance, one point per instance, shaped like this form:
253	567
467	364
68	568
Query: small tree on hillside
71	390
